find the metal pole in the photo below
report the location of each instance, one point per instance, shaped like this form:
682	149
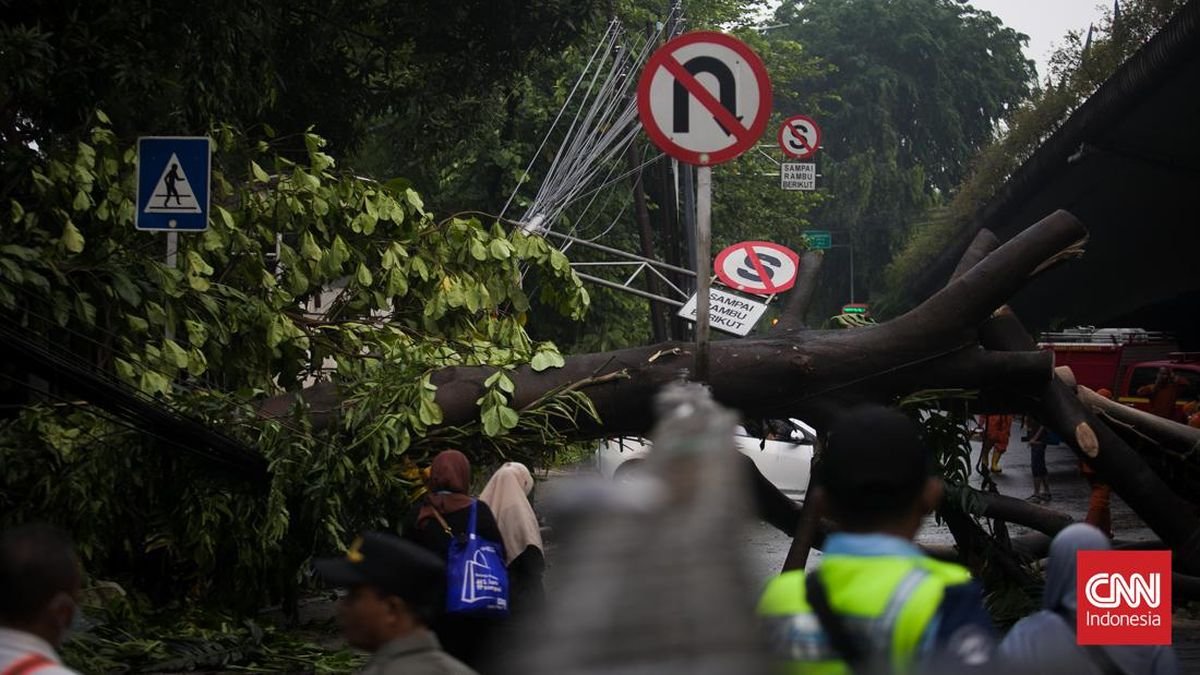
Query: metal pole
172	249
851	247
688	188
703	254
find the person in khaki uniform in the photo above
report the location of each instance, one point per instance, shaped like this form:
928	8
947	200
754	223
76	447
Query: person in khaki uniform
395	589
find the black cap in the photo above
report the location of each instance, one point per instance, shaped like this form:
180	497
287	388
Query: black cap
875	459
387	562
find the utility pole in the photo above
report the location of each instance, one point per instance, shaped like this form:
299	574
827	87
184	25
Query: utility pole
658	323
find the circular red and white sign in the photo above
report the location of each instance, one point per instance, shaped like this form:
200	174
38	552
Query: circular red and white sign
799	137
704	98
758	267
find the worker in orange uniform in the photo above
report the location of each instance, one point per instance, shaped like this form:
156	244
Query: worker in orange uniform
1100	502
1164	393
996	429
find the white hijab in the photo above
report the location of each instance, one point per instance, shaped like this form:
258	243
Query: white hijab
507	495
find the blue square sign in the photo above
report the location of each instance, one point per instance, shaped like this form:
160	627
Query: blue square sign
173	183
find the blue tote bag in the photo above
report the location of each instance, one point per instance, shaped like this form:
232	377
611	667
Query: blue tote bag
476	578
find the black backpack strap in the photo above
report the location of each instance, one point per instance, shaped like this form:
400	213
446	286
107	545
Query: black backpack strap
844	643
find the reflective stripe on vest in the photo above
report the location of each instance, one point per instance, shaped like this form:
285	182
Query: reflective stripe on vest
887	602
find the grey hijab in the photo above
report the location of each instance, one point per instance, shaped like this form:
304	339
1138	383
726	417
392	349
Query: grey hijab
1059	595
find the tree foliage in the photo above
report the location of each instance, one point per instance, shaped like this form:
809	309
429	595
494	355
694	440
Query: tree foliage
1077	68
404	293
916	87
179	67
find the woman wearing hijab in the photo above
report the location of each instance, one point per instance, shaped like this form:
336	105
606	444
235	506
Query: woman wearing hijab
507	493
1045	642
463	637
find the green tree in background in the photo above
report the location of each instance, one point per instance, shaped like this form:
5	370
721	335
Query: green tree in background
918	87
180	67
1077	69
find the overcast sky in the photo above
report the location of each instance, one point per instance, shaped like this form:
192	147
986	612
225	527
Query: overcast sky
1044	21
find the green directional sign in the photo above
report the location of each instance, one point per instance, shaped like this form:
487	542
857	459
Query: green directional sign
819	240
856	308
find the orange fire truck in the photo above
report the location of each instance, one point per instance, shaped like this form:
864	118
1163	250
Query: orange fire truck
1124	361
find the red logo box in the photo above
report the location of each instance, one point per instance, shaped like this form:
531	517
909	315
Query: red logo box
1124	597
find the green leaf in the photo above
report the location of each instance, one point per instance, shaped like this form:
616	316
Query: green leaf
259	175
81	203
137	324
491	421
124	369
197	363
71	239
363	275
429	412
414	199
226	217
21	252
126	289
152	382
543	360
175	354
309	248
478	250
501	249
197	333
85	310
508	417
397	283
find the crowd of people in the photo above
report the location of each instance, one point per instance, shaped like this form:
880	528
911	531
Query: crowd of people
875	603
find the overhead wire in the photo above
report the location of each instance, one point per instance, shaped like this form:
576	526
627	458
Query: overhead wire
604	124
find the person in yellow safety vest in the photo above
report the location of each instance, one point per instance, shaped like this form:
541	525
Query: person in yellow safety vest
876	604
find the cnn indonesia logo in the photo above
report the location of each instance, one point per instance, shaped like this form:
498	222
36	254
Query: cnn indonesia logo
1124	597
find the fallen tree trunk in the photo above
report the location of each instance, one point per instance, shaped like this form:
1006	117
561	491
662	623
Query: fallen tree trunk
1169	434
810	374
1058	407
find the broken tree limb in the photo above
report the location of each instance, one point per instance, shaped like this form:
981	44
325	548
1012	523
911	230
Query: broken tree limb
795	308
982	245
1020	512
1167	433
1059	408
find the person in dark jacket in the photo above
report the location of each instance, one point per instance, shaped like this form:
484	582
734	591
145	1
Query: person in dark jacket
394	590
464	637
507	493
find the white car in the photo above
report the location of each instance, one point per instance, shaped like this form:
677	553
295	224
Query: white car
786	463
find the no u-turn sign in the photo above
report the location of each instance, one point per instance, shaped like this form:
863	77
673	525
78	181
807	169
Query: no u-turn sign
704	98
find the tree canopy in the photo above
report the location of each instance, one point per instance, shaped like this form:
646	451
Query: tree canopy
916	87
1077	68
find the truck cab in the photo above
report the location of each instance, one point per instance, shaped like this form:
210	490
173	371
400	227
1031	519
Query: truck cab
1125	361
1140	377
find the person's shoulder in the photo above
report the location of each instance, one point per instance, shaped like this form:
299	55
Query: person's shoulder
432	662
963	634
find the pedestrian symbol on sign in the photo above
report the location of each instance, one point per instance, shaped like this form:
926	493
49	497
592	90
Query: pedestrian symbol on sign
168	189
173	176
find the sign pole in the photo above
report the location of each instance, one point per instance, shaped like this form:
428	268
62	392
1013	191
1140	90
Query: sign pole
172	250
703	255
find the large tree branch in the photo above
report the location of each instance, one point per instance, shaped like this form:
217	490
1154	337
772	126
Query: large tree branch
807	373
795	308
1059	407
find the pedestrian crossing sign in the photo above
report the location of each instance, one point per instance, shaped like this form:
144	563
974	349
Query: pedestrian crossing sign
173	183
